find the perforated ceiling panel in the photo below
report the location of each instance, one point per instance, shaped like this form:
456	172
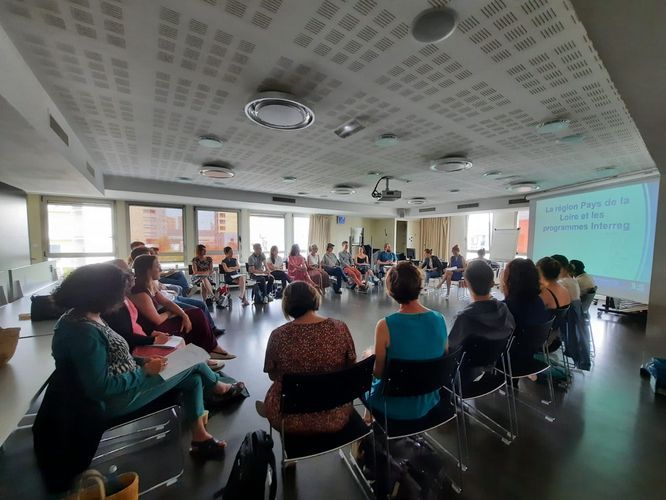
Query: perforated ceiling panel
139	81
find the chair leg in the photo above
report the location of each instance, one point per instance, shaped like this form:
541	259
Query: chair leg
357	474
551	390
593	348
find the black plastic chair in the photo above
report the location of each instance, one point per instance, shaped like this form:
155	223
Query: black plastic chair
480	354
527	343
405	378
310	393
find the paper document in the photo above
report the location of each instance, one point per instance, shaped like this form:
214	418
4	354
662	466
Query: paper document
182	359
234	276
451	269
172	343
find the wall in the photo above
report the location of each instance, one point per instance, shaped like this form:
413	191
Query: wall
656	320
458	233
401	236
414	236
14	244
383	231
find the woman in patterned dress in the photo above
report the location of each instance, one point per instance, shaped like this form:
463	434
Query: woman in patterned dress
309	344
202	272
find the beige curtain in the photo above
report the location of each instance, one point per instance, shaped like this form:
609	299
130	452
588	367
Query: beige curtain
435	235
320	231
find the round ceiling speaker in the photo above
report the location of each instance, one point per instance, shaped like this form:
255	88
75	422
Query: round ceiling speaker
450	164
553	126
215	171
434	25
279	111
523	187
419	200
343	189
210	141
387	140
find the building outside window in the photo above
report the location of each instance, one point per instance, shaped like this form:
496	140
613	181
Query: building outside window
217	229
267	230
159	227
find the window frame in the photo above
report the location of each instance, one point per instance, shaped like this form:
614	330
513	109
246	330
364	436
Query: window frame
304	251
61	200
474	251
130	204
274	215
216	209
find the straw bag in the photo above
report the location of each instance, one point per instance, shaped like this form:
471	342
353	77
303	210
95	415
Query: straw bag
92	485
9	338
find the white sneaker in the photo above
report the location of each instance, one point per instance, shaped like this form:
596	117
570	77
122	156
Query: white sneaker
265	300
270	297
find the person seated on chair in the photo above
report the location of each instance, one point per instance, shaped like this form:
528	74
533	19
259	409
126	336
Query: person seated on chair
136	244
348	267
363	265
431	265
275	266
232	274
455	270
585	281
414	332
174	277
202	274
486	317
521	288
310	343
183	302
318	275
566	278
332	266
297	268
385	258
123	321
259	272
481	255
156	312
553	294
104	367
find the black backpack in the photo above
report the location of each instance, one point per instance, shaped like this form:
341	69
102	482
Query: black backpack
253	475
257	295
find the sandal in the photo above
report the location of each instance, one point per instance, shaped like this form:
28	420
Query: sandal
215	365
208	449
237	390
222	355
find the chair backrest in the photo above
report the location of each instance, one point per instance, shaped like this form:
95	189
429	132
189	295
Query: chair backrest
411	253
247	267
190	269
480	351
313	392
406	377
587	298
530	340
560	316
401	256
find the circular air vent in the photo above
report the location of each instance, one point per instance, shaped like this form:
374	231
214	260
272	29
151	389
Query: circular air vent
434	25
215	171
450	164
553	126
343	189
523	187
419	200
387	140
280	111
210	141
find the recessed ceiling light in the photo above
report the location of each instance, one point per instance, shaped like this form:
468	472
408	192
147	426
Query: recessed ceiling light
289	179
434	25
454	190
375	173
279	111
210	141
215	171
349	128
492	173
419	200
609	168
571	139
183	178
523	187
450	164
553	126
387	140
302	193
343	189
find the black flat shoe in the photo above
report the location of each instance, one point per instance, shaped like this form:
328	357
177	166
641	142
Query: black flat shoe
218	331
208	450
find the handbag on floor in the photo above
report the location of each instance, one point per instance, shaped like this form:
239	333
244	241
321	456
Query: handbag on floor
42	308
253	475
93	485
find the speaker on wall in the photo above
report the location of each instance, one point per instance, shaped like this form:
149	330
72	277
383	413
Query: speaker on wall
401	213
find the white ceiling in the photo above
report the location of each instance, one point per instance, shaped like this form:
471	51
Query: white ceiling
138	81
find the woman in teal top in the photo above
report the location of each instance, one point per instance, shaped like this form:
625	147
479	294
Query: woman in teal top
414	332
83	344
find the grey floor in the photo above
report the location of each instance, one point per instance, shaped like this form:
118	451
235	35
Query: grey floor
607	441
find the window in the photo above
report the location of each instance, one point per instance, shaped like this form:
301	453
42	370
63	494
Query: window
267	230
160	227
478	234
79	234
302	232
523	234
217	229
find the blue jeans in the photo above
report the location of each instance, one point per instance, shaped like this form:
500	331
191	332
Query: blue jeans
177	279
189	302
433	273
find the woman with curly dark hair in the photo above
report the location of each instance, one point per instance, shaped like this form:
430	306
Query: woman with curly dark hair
521	288
100	359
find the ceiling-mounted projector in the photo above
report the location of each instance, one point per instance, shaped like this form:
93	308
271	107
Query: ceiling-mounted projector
387	194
